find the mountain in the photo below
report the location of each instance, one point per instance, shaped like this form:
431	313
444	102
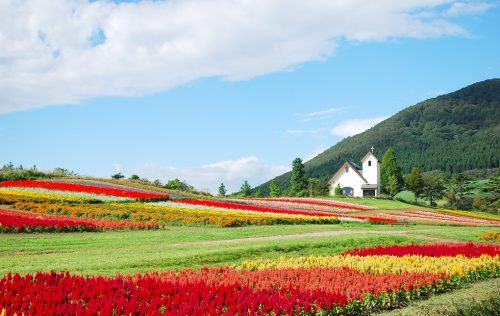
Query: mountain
454	132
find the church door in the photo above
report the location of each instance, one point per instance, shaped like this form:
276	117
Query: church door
368	192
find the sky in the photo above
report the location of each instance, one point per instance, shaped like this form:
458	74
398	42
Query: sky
212	91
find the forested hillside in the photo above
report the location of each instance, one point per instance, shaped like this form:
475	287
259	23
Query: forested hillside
454	132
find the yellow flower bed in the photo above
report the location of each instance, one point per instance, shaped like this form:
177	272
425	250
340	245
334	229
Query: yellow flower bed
470	214
20	195
459	265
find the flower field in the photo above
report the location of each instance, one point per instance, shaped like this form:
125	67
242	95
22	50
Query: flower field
248	208
356	282
146	213
15	221
73	187
446	218
306	204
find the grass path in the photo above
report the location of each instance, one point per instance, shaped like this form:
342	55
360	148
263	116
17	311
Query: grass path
412	234
174	248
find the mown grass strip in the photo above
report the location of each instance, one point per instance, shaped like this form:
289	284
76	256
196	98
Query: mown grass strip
479	299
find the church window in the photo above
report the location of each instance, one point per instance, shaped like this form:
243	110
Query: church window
346	169
369	163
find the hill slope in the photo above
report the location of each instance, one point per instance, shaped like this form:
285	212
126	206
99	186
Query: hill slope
453	132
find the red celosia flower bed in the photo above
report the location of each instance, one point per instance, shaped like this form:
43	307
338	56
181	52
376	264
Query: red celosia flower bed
215	291
49	185
15	221
469	250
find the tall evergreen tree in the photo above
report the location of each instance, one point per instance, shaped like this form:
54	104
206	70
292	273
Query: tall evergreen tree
298	180
274	188
222	190
390	167
246	189
414	182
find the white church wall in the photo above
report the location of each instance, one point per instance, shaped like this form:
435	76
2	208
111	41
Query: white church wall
348	180
371	173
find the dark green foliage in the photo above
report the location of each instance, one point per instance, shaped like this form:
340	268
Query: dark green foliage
490	200
318	187
10	173
222	190
393	186
298	182
117	176
259	193
134	177
177	184
434	186
455	132
274	188
246	190
391	177
414	182
338	190
460	188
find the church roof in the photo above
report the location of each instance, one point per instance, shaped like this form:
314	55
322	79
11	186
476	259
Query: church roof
353	167
368	154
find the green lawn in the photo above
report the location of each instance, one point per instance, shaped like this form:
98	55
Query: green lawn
481	298
186	247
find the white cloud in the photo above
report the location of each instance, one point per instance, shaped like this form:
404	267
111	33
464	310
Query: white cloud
467	8
320	115
62	52
356	126
209	177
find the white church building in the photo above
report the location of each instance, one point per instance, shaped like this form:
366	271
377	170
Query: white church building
358	181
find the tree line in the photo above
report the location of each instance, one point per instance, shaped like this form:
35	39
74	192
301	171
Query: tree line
300	185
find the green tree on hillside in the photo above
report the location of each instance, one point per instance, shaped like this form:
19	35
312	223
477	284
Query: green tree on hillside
246	189
390	167
393	186
259	193
177	184
117	176
460	183
414	182
222	190
134	177
274	188
434	186
318	187
298	180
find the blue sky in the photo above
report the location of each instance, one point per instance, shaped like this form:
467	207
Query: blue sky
204	107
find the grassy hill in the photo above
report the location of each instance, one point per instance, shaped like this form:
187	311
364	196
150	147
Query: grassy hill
454	132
